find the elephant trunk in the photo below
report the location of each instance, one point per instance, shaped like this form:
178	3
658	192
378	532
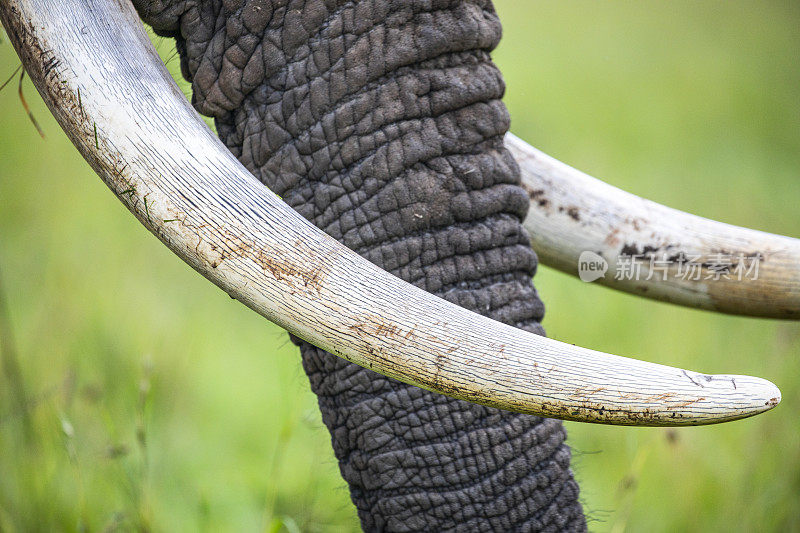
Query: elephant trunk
381	122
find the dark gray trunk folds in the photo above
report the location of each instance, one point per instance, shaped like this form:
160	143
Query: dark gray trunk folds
381	122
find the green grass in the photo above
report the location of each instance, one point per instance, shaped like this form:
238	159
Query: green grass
154	401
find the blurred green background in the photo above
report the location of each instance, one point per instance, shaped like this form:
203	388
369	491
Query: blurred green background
154	401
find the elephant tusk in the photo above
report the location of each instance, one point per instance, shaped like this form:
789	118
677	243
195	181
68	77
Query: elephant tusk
97	71
653	250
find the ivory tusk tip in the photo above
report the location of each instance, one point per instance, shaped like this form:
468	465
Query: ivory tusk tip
760	394
774	394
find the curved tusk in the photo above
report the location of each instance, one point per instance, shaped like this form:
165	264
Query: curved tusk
96	69
653	250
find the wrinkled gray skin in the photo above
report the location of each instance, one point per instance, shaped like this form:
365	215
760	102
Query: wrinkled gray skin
381	122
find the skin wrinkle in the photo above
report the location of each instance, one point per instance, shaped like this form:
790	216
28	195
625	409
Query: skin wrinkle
399	190
423	105
381	122
291	177
398	78
378	220
452	477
